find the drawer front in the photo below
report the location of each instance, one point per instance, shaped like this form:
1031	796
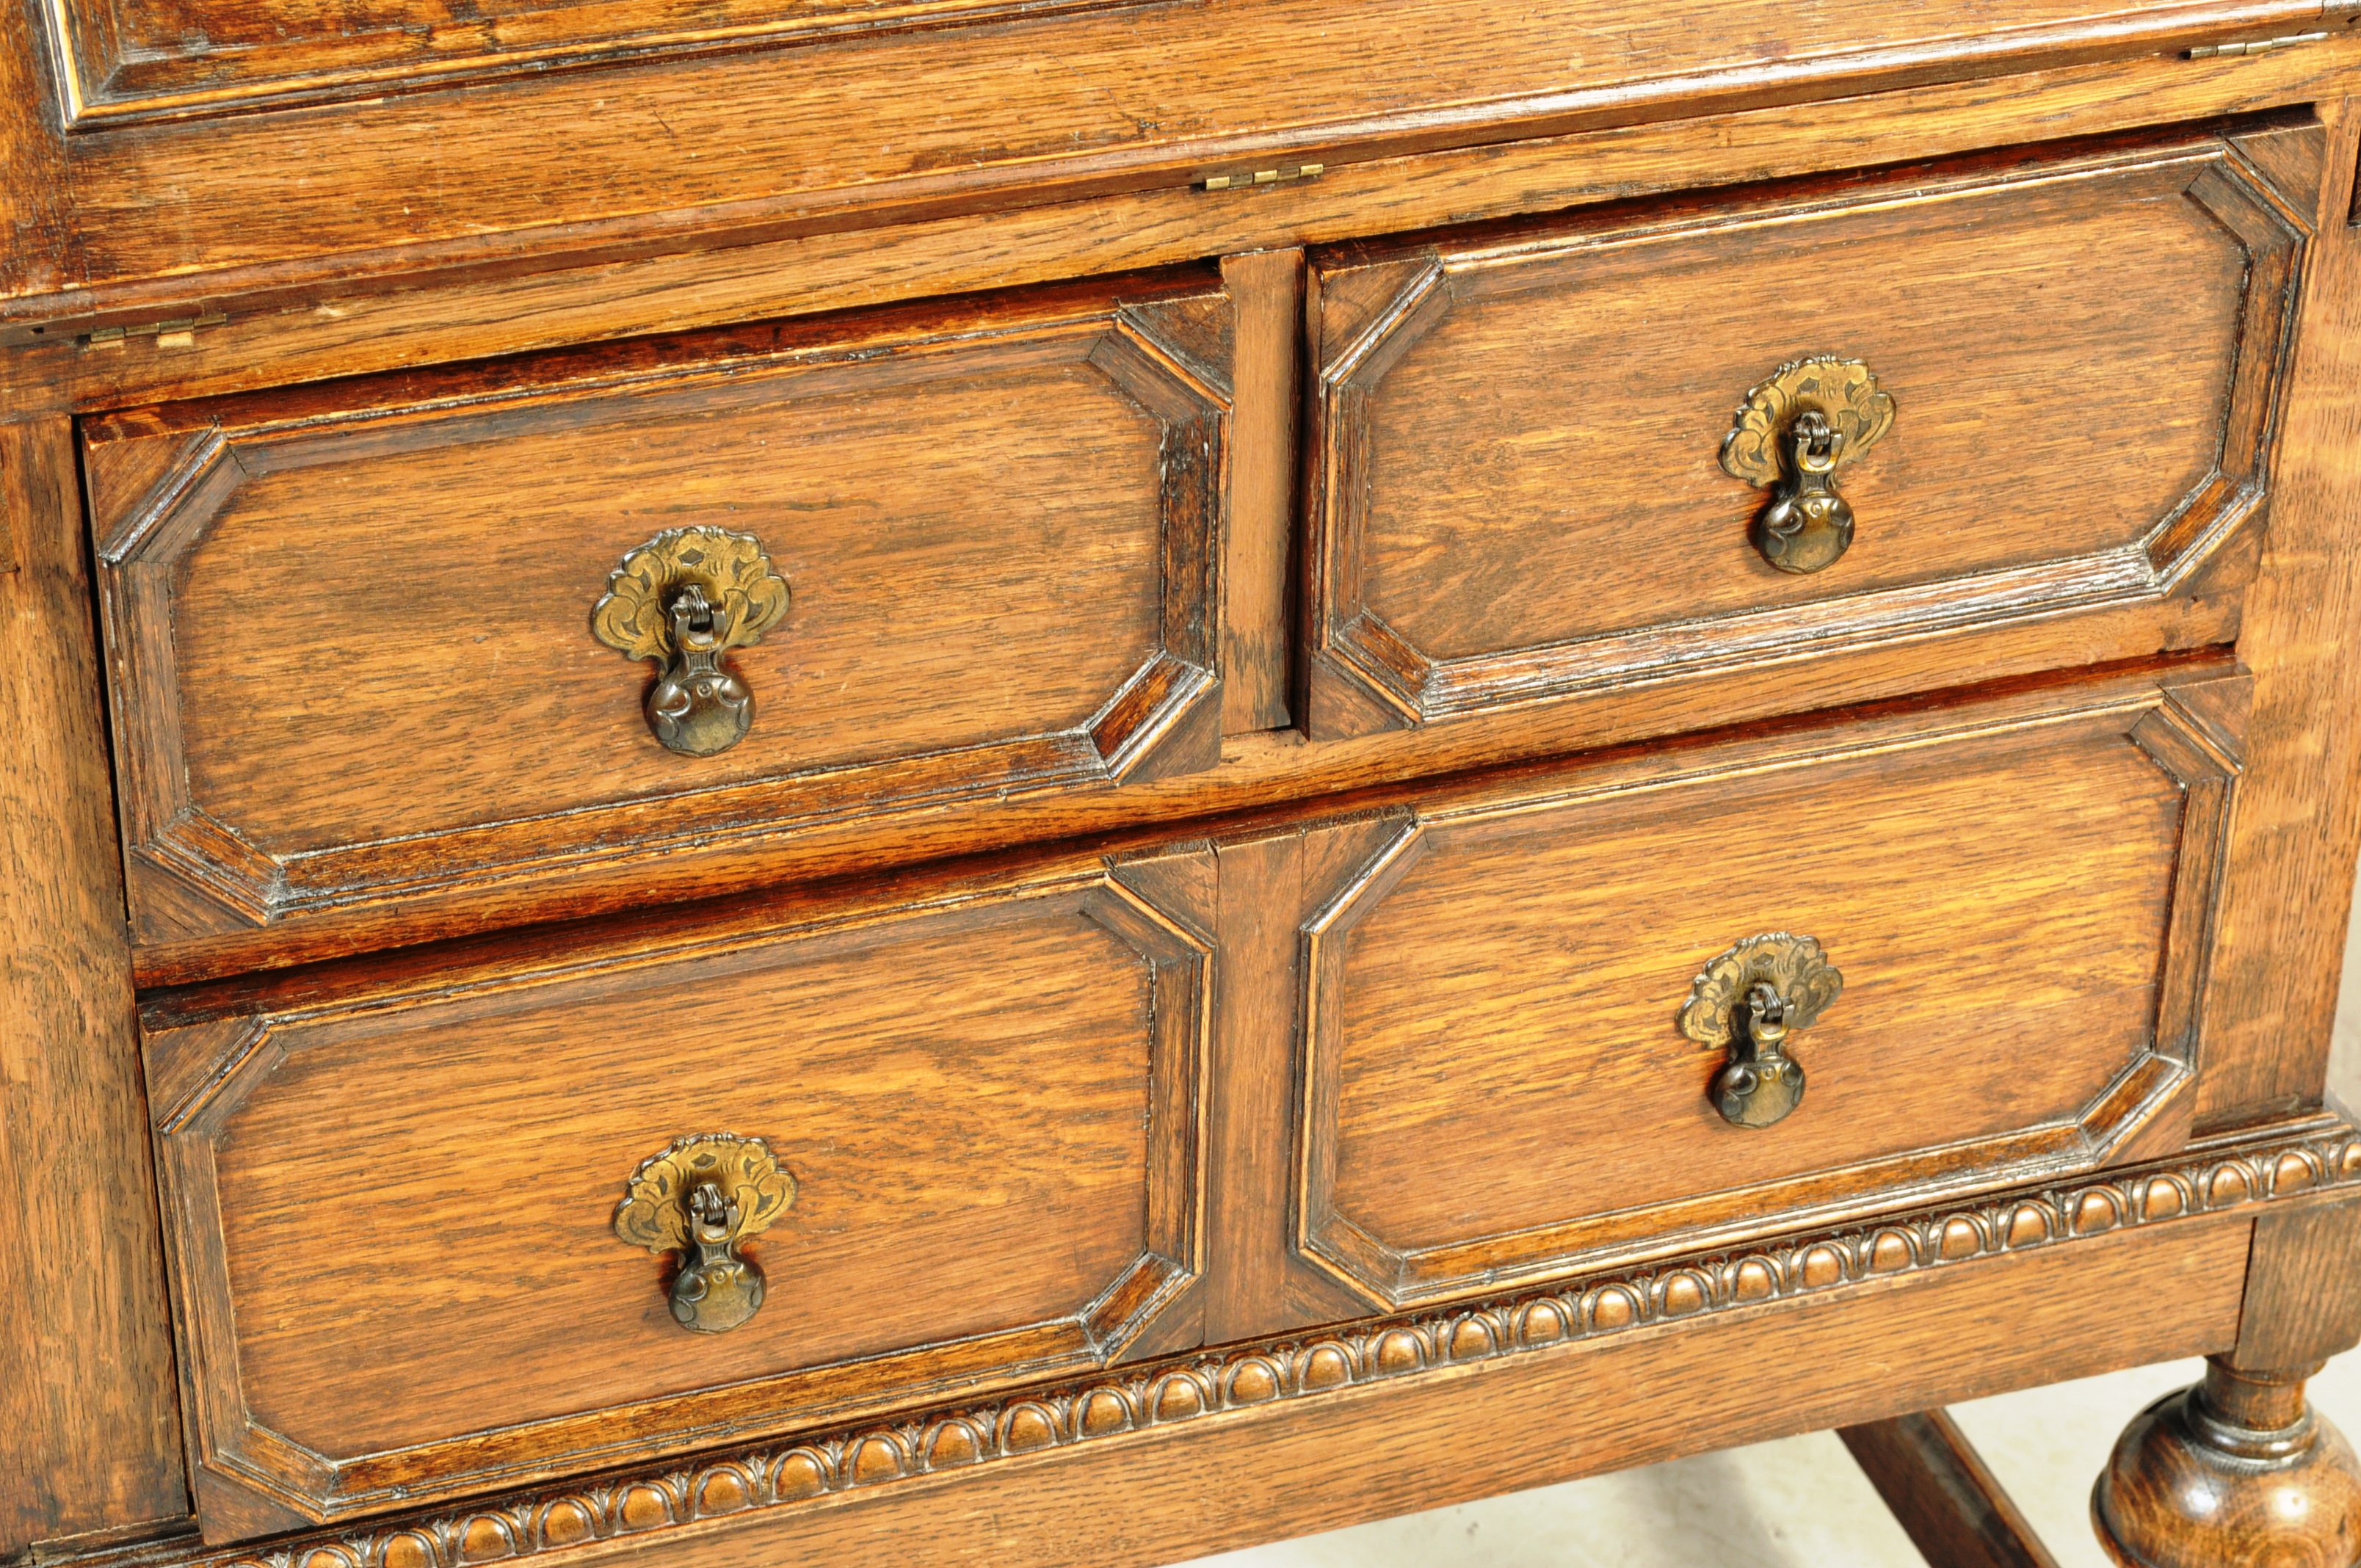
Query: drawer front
1506	1080
409	637
405	1264
2056	380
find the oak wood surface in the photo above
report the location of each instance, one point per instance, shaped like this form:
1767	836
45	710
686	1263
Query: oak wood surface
2300	1307
2235	1473
997	527
1259	548
1409	1443
387	189
89	1430
1516	489
665	152
305	331
2290	885
1260	774
1494	1083
2286	1166
392	1212
1941	1493
1256	1283
141	58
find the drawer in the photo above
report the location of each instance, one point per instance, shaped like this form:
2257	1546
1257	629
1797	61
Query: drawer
2047	384
1986	926
415	635
410	1228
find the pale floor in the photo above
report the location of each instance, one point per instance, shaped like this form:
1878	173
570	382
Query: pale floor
1800	1503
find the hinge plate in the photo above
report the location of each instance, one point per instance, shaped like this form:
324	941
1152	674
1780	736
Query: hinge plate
179	333
1261	176
2254	46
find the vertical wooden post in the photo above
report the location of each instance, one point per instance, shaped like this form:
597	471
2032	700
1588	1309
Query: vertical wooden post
2289	881
89	1424
1266	288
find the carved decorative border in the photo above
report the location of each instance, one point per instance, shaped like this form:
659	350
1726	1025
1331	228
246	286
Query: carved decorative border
783	1475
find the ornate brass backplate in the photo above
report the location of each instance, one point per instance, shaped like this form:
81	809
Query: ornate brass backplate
700	1198
1794	433
1746	1002
685	598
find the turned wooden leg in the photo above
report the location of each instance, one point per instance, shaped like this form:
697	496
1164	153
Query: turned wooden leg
2240	1472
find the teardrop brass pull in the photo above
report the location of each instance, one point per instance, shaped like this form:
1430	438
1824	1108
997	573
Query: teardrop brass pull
685	598
1794	433
701	1198
1747	1001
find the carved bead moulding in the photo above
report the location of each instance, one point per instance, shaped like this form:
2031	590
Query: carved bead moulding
650	1505
700	1198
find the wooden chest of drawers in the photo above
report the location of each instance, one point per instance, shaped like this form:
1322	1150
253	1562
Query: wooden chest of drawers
847	780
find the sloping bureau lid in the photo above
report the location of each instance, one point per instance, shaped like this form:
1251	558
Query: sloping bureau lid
237	147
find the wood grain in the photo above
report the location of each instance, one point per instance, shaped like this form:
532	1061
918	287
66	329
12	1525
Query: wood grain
1512	501
2300	1306
137	59
1496	1083
941	495
1256	1283
288	332
385	1207
1475	1420
2237	1472
89	1441
1258	552
664	153
2290	878
1944	1497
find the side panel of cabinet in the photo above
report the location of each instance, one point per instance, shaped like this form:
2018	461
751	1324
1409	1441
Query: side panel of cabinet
2289	881
89	1438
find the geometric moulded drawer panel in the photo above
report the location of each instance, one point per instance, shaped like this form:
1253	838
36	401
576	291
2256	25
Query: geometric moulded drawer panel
966	1134
2007	906
2057	380
409	637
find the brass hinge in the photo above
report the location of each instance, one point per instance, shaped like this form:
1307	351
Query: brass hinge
176	334
2254	46
1263	177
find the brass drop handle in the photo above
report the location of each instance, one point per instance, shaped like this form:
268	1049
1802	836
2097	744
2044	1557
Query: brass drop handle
701	1198
686	598
1793	434
1745	1002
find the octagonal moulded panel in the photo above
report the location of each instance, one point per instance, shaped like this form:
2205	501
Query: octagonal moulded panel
392	1213
1497	1086
350	629
1516	491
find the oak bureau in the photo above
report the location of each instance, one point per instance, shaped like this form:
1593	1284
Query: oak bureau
1071	781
